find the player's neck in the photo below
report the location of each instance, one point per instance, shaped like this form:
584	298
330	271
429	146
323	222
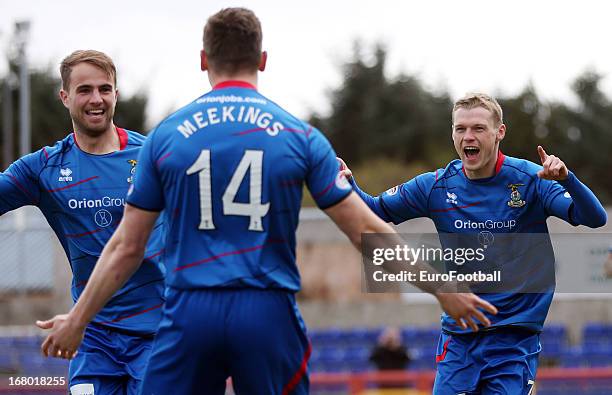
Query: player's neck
216	79
104	143
479	174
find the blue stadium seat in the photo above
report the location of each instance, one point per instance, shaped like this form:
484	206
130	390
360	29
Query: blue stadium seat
596	330
331	355
326	337
597	348
32	364
56	367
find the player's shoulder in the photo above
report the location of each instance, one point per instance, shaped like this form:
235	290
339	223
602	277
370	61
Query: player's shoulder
53	153
190	114
433	177
288	117
283	119
428	180
168	124
133	139
452	169
520	167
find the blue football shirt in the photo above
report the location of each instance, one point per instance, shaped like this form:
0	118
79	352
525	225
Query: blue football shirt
82	196
515	200
228	170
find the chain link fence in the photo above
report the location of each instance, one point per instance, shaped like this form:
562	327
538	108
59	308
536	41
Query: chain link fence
27	252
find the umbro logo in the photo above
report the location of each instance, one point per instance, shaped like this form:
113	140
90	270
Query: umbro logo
65	175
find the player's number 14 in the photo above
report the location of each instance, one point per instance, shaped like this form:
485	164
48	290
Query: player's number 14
252	161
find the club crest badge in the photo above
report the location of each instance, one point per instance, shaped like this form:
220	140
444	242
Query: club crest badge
133	163
515	196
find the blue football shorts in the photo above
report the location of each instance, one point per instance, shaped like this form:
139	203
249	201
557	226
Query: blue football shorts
499	361
255	336
109	363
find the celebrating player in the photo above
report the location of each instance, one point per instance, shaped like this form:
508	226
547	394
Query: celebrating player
79	184
228	171
485	186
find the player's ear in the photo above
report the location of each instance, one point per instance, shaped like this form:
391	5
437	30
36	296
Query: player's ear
203	61
263	60
501	132
63	95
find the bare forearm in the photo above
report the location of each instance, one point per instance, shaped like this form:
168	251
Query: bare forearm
357	222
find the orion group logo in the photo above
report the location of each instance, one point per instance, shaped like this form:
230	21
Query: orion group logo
487	224
85	203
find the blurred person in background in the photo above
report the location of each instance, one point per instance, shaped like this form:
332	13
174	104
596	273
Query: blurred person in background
487	187
390	353
79	184
228	171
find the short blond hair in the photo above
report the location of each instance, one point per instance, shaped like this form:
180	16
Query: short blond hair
94	58
474	100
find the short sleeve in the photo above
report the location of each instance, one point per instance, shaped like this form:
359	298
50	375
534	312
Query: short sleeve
327	186
146	192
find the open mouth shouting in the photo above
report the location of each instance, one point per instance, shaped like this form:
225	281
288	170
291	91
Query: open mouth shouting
471	153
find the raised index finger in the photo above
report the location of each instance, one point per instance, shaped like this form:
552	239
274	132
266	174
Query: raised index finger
542	153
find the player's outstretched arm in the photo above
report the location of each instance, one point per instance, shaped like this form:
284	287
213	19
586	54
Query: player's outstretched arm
19	184
354	218
373	202
120	258
586	208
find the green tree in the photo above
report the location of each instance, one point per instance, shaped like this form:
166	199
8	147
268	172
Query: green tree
582	136
397	118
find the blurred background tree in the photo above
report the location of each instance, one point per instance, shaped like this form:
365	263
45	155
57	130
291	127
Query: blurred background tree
391	128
